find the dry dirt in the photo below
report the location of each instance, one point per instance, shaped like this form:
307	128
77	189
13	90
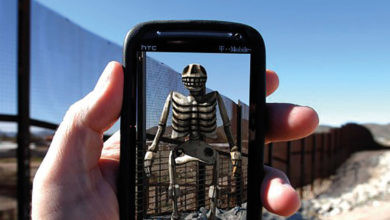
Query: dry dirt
371	166
377	210
8	187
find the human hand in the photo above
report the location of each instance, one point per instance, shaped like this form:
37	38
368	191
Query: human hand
285	122
77	178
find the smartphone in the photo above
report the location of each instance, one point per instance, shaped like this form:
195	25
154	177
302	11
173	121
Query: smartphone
192	121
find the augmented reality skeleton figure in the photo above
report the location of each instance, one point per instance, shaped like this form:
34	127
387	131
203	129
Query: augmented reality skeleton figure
193	120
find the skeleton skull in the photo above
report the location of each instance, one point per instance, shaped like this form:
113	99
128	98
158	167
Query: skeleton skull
194	77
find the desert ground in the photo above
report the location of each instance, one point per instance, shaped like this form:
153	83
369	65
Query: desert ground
360	189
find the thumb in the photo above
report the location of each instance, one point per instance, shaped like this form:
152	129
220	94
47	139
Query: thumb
77	144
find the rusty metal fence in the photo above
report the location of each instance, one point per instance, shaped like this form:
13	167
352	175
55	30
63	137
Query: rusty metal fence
319	155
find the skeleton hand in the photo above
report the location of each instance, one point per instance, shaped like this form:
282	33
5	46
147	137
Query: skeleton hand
148	161
236	160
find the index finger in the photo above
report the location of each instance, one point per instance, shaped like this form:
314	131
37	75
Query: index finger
272	81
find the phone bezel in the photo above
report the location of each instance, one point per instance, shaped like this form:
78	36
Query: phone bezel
189	36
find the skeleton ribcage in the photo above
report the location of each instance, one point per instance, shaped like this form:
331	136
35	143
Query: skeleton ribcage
190	117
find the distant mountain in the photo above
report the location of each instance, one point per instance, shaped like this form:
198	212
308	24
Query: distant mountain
35	134
43	133
381	132
323	128
7	134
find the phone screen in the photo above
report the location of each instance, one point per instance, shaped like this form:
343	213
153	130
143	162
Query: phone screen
195	111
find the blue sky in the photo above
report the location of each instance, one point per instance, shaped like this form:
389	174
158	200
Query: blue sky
331	55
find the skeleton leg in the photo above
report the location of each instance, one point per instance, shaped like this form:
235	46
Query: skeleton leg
213	191
173	190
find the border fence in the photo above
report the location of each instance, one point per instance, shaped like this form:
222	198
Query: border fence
318	155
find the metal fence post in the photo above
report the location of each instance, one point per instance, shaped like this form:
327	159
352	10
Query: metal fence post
288	159
331	159
303	153
333	150
322	157
313	161
23	151
239	145
270	154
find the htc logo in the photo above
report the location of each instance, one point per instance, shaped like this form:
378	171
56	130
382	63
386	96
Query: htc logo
149	47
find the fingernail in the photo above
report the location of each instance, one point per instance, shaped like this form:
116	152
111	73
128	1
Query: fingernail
104	78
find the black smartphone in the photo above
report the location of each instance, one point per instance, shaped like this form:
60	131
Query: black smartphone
192	121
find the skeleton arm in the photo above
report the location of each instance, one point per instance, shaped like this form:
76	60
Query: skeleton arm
234	150
161	124
153	148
